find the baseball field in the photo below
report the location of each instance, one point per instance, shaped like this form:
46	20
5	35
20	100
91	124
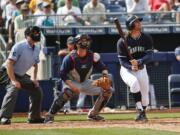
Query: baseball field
160	122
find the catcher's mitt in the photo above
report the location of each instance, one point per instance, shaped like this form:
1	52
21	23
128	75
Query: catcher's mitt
104	82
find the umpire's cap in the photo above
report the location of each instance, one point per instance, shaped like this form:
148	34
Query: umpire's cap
33	32
130	21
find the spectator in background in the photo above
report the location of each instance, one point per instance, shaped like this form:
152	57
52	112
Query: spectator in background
160	6
20	22
175	4
38	10
61	3
33	4
15	13
138	6
70	47
9	9
48	18
97	11
69	14
177	53
3	4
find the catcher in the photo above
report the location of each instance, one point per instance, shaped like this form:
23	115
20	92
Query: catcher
75	71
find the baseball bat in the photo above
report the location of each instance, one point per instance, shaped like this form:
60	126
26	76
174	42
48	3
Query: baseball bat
121	33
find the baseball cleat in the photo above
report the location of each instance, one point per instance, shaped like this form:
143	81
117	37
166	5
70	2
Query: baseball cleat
5	121
141	116
49	119
95	118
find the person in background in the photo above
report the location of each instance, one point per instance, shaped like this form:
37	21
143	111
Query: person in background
69	14
134	6
160	6
38	10
47	18
15	13
33	4
21	22
177	53
94	7
61	3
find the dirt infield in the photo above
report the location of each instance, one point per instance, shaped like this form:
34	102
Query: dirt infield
165	124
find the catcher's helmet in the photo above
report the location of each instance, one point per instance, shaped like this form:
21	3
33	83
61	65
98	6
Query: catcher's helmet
33	32
130	21
83	40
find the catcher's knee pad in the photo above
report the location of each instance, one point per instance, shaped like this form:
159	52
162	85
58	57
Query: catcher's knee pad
60	100
67	94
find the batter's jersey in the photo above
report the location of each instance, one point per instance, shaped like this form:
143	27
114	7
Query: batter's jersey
24	56
140	48
79	68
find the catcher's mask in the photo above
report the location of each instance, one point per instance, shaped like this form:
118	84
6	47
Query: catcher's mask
83	40
33	32
130	21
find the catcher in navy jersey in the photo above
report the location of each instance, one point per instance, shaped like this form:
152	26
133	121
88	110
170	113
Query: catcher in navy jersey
75	71
133	71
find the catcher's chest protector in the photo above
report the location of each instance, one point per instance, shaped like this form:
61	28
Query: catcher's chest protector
82	65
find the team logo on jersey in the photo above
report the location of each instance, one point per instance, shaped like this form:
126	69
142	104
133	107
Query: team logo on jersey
137	49
83	66
14	54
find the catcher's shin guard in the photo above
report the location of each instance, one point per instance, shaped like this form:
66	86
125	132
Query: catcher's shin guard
59	101
100	103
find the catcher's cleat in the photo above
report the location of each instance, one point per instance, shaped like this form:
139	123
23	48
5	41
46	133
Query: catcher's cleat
95	118
36	121
49	119
141	116
5	121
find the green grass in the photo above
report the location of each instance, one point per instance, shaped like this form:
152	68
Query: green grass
93	131
89	131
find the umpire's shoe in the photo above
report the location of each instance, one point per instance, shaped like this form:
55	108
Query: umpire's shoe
141	116
95	118
36	121
5	121
49	119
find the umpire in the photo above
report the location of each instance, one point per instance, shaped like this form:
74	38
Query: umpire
23	56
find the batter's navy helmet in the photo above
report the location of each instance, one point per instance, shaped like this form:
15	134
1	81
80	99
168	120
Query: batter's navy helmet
130	21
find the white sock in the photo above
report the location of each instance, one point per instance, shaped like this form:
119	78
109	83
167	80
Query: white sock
139	105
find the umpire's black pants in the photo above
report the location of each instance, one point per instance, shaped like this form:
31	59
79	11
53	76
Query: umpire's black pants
9	101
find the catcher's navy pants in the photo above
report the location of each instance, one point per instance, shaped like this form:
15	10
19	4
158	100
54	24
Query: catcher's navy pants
9	101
